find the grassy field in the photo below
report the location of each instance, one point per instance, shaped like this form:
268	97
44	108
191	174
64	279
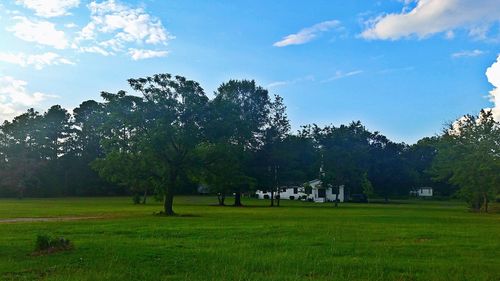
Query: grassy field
298	241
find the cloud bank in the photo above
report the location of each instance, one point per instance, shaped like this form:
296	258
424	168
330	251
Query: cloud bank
114	26
15	98
41	32
38	61
493	75
429	17
139	54
49	8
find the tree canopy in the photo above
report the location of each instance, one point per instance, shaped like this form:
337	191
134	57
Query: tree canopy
167	136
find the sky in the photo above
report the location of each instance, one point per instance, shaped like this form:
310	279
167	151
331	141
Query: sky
402	67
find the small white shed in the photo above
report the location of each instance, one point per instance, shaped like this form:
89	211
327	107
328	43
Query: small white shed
422	192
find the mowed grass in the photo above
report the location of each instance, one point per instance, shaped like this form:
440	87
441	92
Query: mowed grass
413	240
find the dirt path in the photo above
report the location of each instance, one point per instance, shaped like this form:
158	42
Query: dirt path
14	220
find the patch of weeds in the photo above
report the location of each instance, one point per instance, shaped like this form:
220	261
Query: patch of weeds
46	244
28	274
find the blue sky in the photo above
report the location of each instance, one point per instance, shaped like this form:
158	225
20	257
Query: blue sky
402	67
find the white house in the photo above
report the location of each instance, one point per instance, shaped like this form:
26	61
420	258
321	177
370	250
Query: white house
318	193
422	192
324	194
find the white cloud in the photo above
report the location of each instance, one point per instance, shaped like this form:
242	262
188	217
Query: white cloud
95	50
38	61
449	34
493	75
41	32
307	34
49	8
275	84
278	84
71	25
139	54
114	25
467	53
341	74
15	98
429	17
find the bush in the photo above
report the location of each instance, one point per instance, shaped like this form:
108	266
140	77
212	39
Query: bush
47	244
42	242
292	197
266	196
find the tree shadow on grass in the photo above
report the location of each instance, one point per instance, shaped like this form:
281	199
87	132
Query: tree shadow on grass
162	214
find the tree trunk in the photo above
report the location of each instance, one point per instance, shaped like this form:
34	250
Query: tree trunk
144	198
278	197
168	203
221	197
169	194
272	198
337	199
485	202
237	199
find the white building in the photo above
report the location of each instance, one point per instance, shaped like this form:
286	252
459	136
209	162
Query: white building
422	192
287	193
318	193
324	194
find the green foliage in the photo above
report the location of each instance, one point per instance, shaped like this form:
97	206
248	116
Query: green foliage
171	137
151	140
349	154
468	157
307	188
367	186
46	243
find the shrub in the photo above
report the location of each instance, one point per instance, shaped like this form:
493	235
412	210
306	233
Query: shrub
292	197
266	196
47	244
42	242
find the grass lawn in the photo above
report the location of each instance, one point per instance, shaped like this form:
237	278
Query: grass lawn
298	241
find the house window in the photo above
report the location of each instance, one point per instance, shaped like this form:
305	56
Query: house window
295	190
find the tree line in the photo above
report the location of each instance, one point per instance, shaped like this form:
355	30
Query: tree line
168	137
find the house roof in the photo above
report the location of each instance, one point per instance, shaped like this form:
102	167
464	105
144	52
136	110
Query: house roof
315	181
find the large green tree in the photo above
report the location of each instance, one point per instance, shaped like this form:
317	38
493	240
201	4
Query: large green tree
469	157
175	114
271	157
21	157
241	114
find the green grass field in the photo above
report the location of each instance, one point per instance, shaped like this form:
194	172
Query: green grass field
298	241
